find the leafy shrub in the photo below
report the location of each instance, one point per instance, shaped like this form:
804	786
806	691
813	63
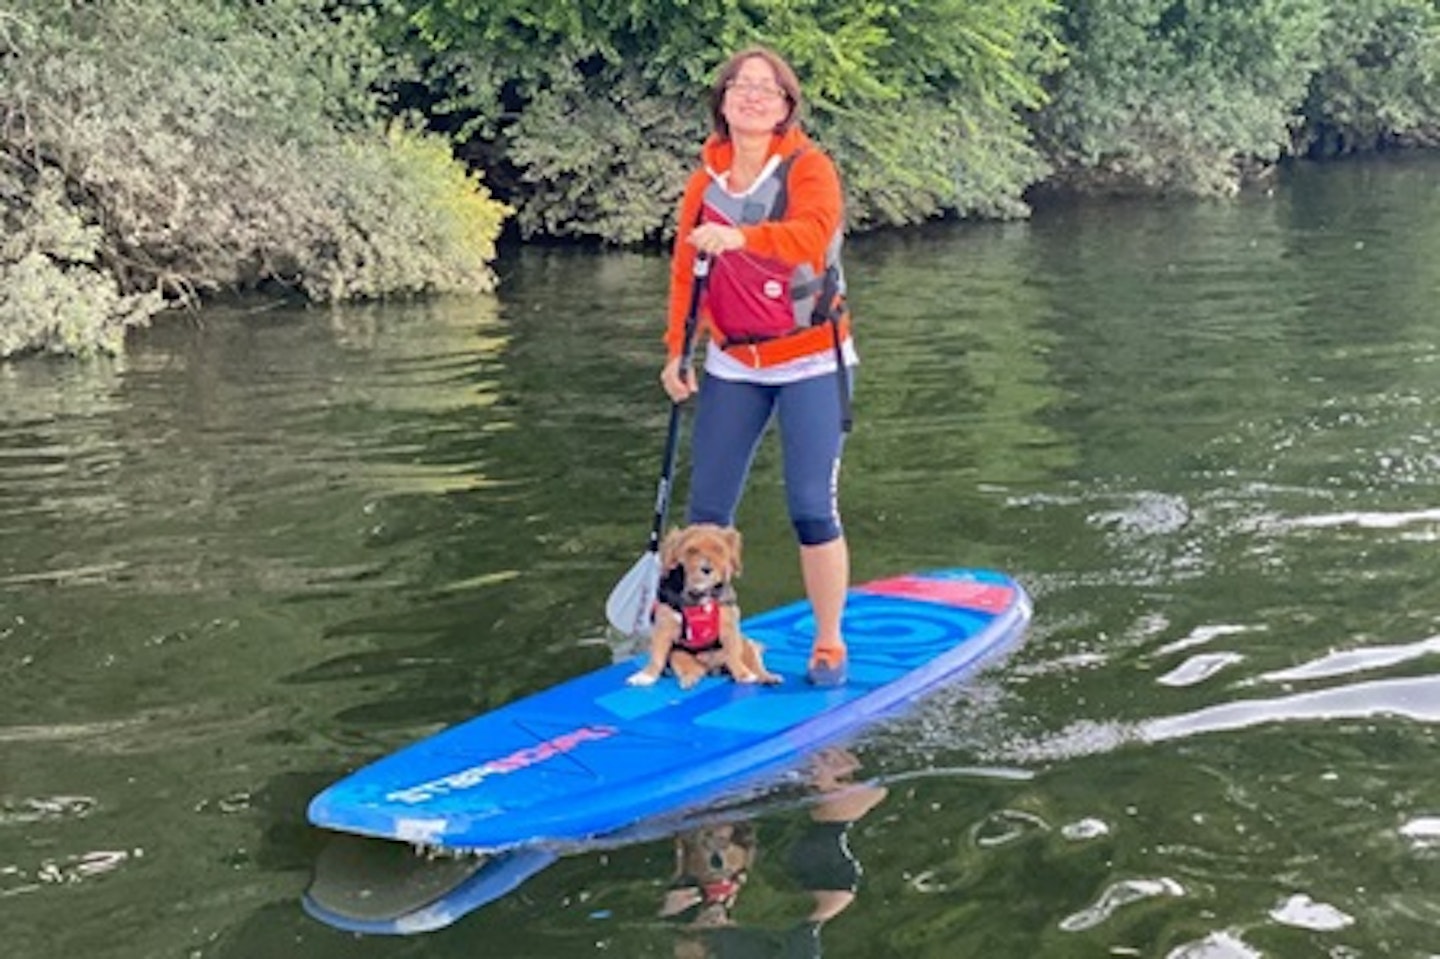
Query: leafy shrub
1380	81
1178	96
216	146
928	156
603	157
54	295
396	215
599	108
1186	96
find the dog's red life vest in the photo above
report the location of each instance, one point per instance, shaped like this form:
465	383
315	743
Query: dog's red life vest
700	626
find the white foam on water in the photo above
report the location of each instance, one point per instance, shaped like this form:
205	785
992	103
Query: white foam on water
1217	945
1197	669
1302	912
1115	897
1351	661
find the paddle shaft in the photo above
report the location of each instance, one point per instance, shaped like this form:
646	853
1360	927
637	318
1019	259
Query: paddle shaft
672	436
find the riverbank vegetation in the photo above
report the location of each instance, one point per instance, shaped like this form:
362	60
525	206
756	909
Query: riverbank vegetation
155	151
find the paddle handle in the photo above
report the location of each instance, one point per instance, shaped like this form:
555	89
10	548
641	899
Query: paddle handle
672	433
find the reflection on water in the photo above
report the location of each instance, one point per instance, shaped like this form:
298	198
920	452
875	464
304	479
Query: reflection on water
386	888
270	545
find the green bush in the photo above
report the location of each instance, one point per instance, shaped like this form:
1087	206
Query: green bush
598	109
603	159
1187	96
1380	82
1179	96
54	294
928	156
395	215
214	146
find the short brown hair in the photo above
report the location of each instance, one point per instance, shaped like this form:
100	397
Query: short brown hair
784	75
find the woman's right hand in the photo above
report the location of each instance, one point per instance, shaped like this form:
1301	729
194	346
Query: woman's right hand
677	387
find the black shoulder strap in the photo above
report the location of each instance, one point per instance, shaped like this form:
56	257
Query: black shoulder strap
828	305
782	195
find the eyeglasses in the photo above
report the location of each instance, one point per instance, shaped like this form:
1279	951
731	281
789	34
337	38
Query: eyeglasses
759	91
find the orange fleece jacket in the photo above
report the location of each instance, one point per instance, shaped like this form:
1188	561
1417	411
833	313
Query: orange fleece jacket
813	213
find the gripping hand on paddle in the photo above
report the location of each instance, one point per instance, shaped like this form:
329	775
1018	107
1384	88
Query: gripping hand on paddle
715	238
680	386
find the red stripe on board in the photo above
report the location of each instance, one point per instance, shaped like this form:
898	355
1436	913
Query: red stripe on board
964	593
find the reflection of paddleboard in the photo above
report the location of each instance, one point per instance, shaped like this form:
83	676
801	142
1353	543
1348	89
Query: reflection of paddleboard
377	887
382	888
594	755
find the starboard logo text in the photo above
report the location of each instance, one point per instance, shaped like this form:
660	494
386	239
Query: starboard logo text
520	759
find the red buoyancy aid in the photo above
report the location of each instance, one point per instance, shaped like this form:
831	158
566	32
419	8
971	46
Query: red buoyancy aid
700	626
754	298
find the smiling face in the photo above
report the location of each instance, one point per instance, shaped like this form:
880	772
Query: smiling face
755	103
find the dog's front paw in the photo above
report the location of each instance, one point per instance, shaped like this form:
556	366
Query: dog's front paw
642	678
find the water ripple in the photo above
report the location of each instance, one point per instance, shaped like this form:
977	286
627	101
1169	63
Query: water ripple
1201	635
1085	829
1302	912
63	732
1371	520
46	809
1147	513
1354	661
1217	945
1197	669
1413	698
66	871
1422	832
1118	895
73	869
89	575
1005	826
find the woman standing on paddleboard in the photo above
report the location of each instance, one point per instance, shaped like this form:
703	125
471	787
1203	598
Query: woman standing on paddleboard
765	207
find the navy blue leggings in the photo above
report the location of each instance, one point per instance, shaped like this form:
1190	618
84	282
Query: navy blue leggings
731	419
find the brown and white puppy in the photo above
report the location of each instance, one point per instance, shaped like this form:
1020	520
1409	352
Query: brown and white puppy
697	620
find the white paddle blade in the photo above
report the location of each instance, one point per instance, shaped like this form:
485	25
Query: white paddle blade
631	601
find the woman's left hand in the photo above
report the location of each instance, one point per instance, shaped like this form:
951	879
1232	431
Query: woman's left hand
715	238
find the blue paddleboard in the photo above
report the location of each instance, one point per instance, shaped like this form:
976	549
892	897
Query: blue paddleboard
594	755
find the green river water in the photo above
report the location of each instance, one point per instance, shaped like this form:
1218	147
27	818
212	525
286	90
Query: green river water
273	544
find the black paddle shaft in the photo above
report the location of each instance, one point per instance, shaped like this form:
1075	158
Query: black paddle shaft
672	437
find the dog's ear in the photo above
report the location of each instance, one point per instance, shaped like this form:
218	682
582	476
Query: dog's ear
672	581
733	542
670	548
